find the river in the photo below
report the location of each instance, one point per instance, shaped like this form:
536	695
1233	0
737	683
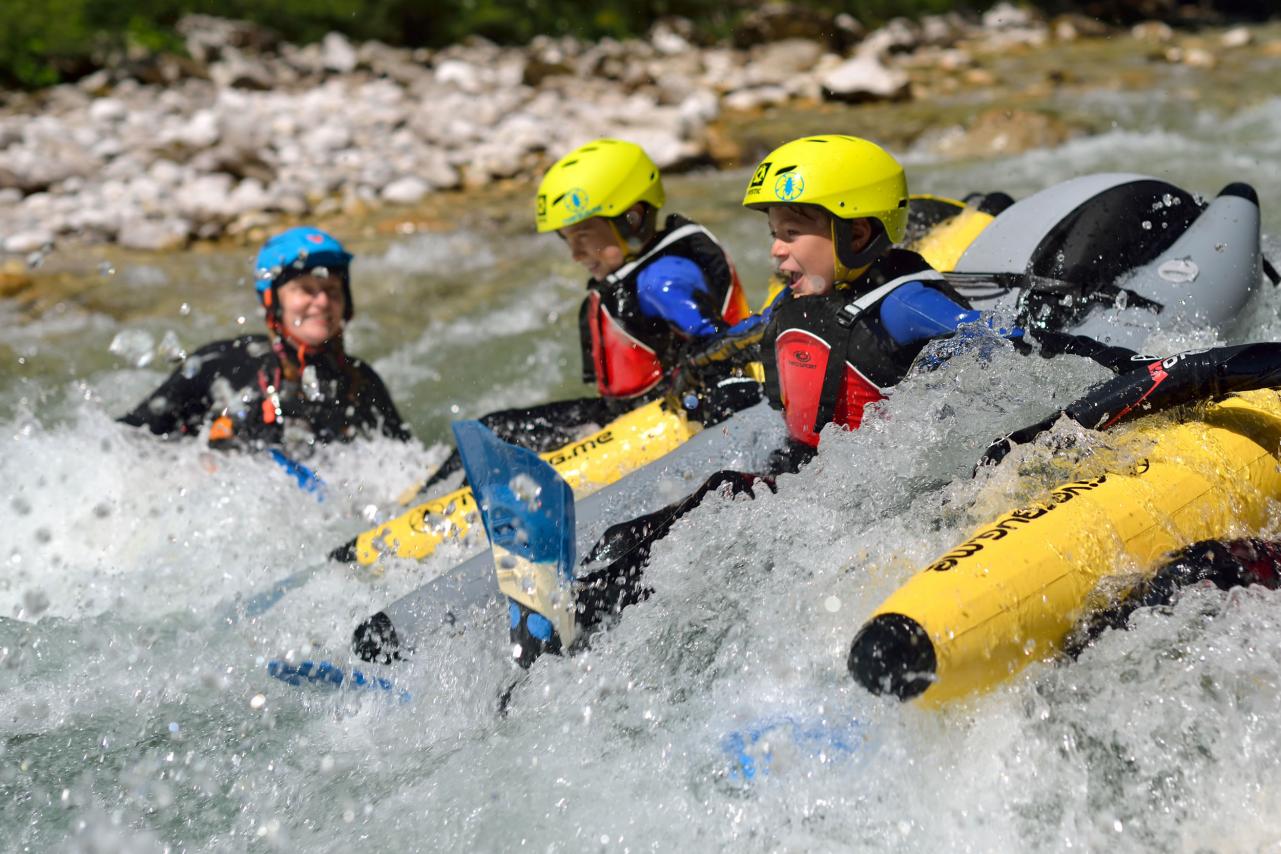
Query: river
137	715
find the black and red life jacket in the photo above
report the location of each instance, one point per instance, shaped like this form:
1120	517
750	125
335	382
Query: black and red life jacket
811	388
625	352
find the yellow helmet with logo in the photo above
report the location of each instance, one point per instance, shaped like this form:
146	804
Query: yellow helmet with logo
602	178
848	177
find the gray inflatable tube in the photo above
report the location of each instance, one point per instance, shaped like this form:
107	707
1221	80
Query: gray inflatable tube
1117	256
449	601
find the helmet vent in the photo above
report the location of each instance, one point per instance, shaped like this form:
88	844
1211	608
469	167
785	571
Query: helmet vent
785	169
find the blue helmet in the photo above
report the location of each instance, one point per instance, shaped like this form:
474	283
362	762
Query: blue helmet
294	252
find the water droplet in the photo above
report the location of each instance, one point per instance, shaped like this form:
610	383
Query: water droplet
526	490
529	585
1147	225
106	269
184	309
257	702
832	604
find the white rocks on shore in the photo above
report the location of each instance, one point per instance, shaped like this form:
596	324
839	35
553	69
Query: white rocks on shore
255	129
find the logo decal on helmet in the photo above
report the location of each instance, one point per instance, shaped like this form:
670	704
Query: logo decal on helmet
315	238
758	179
789	186
542	205
579	204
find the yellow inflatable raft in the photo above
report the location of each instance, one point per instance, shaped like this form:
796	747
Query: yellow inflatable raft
624	445
1012	592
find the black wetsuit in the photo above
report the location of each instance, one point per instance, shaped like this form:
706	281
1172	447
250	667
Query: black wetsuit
1234	563
257	394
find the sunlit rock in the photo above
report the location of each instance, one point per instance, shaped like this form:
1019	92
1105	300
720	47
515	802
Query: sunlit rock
154	235
1236	37
1152	31
27	241
406	191
775	21
1003	132
778	62
865	78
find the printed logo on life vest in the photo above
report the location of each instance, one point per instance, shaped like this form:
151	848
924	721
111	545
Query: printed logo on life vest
758	180
582	447
1023	516
789	186
801	356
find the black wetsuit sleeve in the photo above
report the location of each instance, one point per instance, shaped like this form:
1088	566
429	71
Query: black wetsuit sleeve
181	405
377	403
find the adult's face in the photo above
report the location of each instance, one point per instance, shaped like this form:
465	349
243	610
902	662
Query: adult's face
311	307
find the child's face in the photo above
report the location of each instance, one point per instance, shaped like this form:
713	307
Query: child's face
594	244
802	249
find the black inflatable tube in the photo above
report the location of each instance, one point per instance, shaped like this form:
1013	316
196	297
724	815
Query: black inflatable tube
1159	385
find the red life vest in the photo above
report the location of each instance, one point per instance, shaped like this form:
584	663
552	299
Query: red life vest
627	353
803	333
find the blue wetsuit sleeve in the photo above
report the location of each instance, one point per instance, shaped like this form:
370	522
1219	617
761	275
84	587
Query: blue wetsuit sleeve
670	289
755	321
915	312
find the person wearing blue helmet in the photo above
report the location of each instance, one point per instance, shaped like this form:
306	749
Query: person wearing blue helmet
295	386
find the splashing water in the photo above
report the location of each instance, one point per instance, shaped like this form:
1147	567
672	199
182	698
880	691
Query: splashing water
138	715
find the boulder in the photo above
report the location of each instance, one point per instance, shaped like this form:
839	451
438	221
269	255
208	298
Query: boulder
207	38
408	190
1236	37
865	78
337	54
779	63
1003	132
239	71
22	242
1072	26
775	21
1007	16
1153	31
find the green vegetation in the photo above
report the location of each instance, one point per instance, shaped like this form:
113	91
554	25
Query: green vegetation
47	41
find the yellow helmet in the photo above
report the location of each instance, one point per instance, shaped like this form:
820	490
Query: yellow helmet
601	178
848	177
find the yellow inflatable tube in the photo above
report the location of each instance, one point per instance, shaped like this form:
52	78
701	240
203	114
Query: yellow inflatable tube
625	444
1012	592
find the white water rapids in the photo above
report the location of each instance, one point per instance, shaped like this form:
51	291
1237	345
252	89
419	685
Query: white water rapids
134	718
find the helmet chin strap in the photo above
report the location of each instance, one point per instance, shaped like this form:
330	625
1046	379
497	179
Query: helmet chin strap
850	264
634	238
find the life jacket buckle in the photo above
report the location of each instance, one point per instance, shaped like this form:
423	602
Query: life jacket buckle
849	313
